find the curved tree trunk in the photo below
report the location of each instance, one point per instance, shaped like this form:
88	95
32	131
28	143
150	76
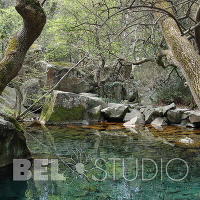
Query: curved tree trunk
197	30
34	20
181	50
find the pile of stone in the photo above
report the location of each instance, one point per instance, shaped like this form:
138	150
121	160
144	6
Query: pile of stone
162	116
66	107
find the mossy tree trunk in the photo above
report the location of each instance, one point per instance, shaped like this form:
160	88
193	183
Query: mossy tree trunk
34	20
181	50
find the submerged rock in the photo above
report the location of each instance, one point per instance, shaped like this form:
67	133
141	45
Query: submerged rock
189	142
12	142
66	107
186	140
115	112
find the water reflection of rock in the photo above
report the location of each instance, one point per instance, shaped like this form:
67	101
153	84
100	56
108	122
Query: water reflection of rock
12	142
10	189
179	136
147	133
118	143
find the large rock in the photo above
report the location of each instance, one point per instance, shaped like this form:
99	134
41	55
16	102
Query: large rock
194	116
133	113
151	113
88	94
12	142
176	116
7	100
165	109
65	107
159	122
74	82
146	96
114	91
95	113
115	112
95	105
118	91
136	121
131	91
32	68
31	91
162	110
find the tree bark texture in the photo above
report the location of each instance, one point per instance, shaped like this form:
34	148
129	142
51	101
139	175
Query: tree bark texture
182	51
34	20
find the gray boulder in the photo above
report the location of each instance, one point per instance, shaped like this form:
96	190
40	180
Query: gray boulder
95	113
31	91
194	116
32	68
112	90
88	94
133	113
151	113
65	107
7	100
159	122
133	105
176	116
74	82
186	115
136	121
118	91
162	110
12	142
115	111
165	109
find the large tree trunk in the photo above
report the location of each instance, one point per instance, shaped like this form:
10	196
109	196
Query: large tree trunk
197	30
34	20
181	50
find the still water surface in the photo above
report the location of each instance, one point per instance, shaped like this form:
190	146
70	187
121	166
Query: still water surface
86	161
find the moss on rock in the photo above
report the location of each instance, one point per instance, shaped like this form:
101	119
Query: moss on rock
56	112
63	114
66	107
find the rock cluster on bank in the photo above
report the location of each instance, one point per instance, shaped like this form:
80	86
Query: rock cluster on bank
76	100
66	107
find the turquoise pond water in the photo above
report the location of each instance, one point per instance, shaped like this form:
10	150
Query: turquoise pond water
85	156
